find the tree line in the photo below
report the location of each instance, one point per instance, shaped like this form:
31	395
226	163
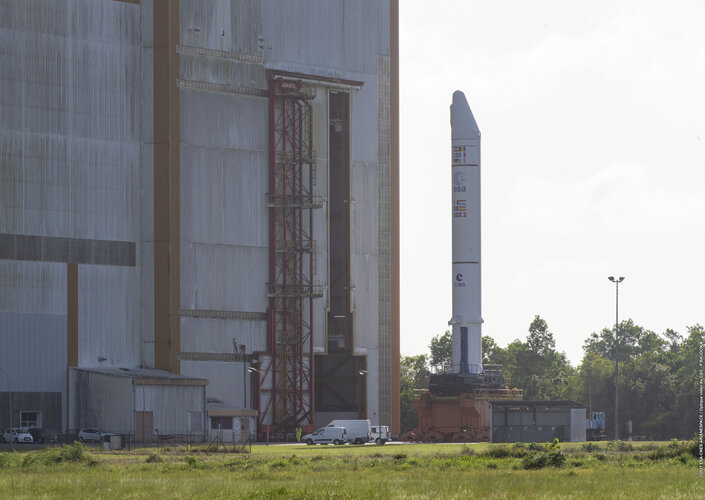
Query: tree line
659	375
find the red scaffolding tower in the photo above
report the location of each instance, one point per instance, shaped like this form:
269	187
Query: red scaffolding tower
286	370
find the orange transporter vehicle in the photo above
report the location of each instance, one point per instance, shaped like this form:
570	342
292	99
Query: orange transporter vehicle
456	407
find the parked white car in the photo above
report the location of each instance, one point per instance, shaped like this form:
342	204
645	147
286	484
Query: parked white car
17	435
326	435
91	435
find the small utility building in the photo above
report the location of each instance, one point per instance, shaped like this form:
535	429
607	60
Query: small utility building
537	421
142	402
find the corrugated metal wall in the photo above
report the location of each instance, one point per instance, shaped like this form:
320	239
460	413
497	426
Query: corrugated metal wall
33	364
70	153
224	155
48	404
102	401
33	352
171	406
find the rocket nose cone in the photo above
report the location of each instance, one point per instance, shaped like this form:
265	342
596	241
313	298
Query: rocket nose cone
462	122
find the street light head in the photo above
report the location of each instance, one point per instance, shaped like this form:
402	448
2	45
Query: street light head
252	369
362	372
621	278
611	278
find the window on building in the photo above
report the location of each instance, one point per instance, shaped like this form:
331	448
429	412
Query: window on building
222	423
30	419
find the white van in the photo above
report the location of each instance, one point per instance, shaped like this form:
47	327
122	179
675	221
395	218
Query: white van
380	434
358	430
326	435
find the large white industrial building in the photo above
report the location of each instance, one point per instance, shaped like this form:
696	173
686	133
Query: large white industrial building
198	215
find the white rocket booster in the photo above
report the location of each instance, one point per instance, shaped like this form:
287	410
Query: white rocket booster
467	288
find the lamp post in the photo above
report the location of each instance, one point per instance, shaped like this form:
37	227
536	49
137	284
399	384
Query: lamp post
252	369
244	376
365	373
616	281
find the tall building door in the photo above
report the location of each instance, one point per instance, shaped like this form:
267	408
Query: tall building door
143	427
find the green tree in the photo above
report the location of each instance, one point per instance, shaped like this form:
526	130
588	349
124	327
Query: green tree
596	382
535	366
441	348
414	375
684	365
540	340
657	375
491	352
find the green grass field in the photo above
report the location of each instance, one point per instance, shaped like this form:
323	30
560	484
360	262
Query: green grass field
428	471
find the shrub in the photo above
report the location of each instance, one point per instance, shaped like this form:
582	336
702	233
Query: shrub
675	449
624	446
683	458
541	460
556	459
517	450
553	445
467	451
74	453
590	447
29	460
694	447
497	452
243	448
535	461
4	460
191	461
688	447
154	458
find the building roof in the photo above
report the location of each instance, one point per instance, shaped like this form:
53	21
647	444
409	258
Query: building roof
220	410
533	404
146	376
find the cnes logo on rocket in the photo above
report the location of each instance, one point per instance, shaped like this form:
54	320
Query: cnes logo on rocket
459	182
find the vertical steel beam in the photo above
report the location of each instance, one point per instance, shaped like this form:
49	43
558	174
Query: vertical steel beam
394	205
167	186
71	330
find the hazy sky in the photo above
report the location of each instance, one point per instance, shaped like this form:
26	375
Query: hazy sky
592	116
